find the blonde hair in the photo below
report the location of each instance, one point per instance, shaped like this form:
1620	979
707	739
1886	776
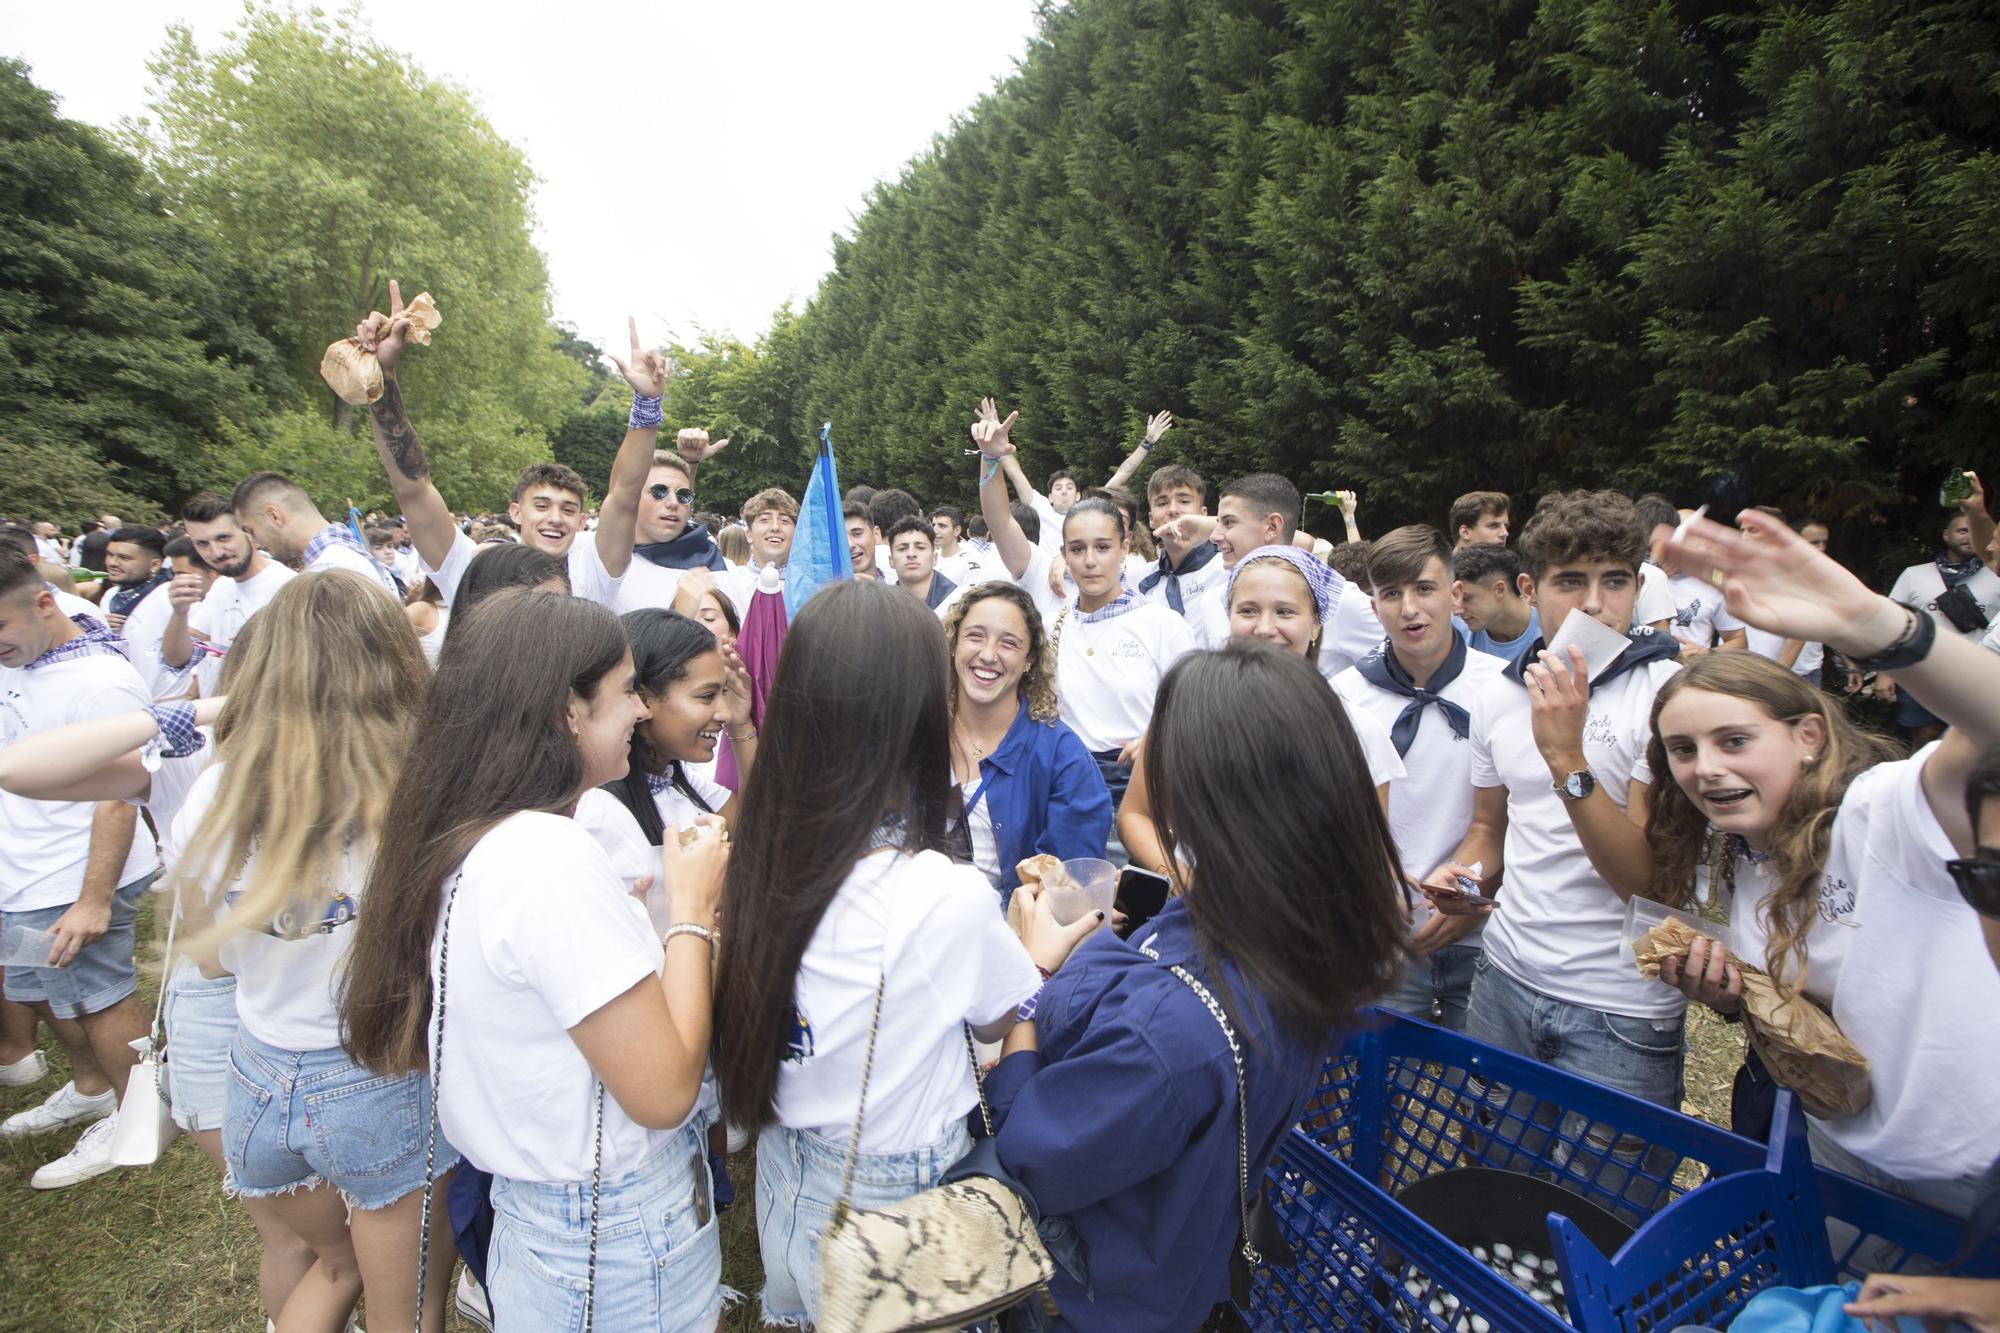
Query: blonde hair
1679	836
771	497
1038	680
309	743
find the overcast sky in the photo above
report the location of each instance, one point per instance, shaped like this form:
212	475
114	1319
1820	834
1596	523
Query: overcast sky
779	116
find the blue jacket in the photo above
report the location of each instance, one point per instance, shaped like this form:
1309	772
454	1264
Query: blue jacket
1124	1122
1044	794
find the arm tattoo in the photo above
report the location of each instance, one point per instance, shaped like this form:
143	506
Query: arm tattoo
400	435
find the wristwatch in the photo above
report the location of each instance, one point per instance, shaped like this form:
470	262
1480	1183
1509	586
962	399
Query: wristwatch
1577	786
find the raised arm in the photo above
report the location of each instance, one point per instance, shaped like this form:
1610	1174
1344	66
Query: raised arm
693	444
1973	507
177	642
647	373
1156	425
989	432
1774	579
432	527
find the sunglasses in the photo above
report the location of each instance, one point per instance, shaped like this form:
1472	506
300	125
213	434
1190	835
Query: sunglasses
685	495
1978	880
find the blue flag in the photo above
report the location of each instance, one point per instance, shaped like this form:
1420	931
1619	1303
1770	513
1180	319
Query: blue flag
819	547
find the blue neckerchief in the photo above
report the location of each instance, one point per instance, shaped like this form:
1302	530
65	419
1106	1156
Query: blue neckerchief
123	600
693	549
941	588
95	641
676	779
1381	669
1192	561
1955	572
1647	645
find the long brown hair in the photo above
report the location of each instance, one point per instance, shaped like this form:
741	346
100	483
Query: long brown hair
856	731
1679	836
1253	766
309	744
1038	680
494	740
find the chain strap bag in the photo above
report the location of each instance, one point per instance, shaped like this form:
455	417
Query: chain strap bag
430	1145
941	1259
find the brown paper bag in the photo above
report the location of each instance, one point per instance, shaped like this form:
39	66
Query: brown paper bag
354	374
1799	1042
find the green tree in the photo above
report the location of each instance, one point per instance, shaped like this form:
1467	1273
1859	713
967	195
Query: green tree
121	357
327	164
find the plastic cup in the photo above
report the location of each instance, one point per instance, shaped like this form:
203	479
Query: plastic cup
22	947
1083	885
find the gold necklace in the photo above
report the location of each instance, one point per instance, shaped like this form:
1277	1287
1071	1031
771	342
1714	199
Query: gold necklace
978	750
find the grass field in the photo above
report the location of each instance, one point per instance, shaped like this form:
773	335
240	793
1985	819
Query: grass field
161	1248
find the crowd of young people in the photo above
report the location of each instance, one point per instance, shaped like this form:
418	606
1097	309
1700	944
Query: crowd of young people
508	868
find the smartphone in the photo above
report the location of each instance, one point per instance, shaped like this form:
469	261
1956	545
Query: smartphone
1140	895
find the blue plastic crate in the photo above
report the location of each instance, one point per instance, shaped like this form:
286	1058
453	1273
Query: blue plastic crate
1718	1217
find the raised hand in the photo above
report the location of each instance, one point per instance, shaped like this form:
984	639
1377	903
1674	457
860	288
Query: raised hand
1157	425
648	370
1774	579
1348	500
1975	500
1558	701
990	433
385	335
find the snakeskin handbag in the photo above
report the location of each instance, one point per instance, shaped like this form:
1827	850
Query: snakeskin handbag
942	1259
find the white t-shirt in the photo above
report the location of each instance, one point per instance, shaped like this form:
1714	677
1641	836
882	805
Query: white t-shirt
1350	636
1430	802
979	821
970	566
588	578
1991	643
606	819
928	930
45	845
1700	618
1920	586
1108	671
1050	537
1656	596
1766	644
49	549
1896	955
409	566
678	811
543	935
145	626
286	990
1559	927
168	792
224	608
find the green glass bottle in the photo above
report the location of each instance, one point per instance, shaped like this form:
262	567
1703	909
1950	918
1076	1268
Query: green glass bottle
1957	487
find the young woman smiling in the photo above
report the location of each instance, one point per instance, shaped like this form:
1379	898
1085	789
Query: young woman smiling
1837	855
1110	649
1027	784
505	941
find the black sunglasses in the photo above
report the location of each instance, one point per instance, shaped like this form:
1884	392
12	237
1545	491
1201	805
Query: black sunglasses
1978	881
660	492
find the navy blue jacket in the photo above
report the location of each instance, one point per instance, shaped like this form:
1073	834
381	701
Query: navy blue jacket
1044	794
1124	1122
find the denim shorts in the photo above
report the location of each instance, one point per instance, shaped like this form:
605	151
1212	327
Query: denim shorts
296	1118
659	1250
798	1185
99	976
1437	988
1641	1056
201	1027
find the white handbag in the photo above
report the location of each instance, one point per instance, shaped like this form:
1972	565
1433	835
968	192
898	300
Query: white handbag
145	1118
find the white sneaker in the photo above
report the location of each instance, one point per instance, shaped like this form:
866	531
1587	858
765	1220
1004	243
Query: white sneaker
738	1138
65	1106
90	1157
472	1305
30	1068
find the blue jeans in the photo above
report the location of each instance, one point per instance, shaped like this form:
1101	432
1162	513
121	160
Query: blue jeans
1437	989
99	976
659	1254
798	1184
296	1118
201	1027
1642	1056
